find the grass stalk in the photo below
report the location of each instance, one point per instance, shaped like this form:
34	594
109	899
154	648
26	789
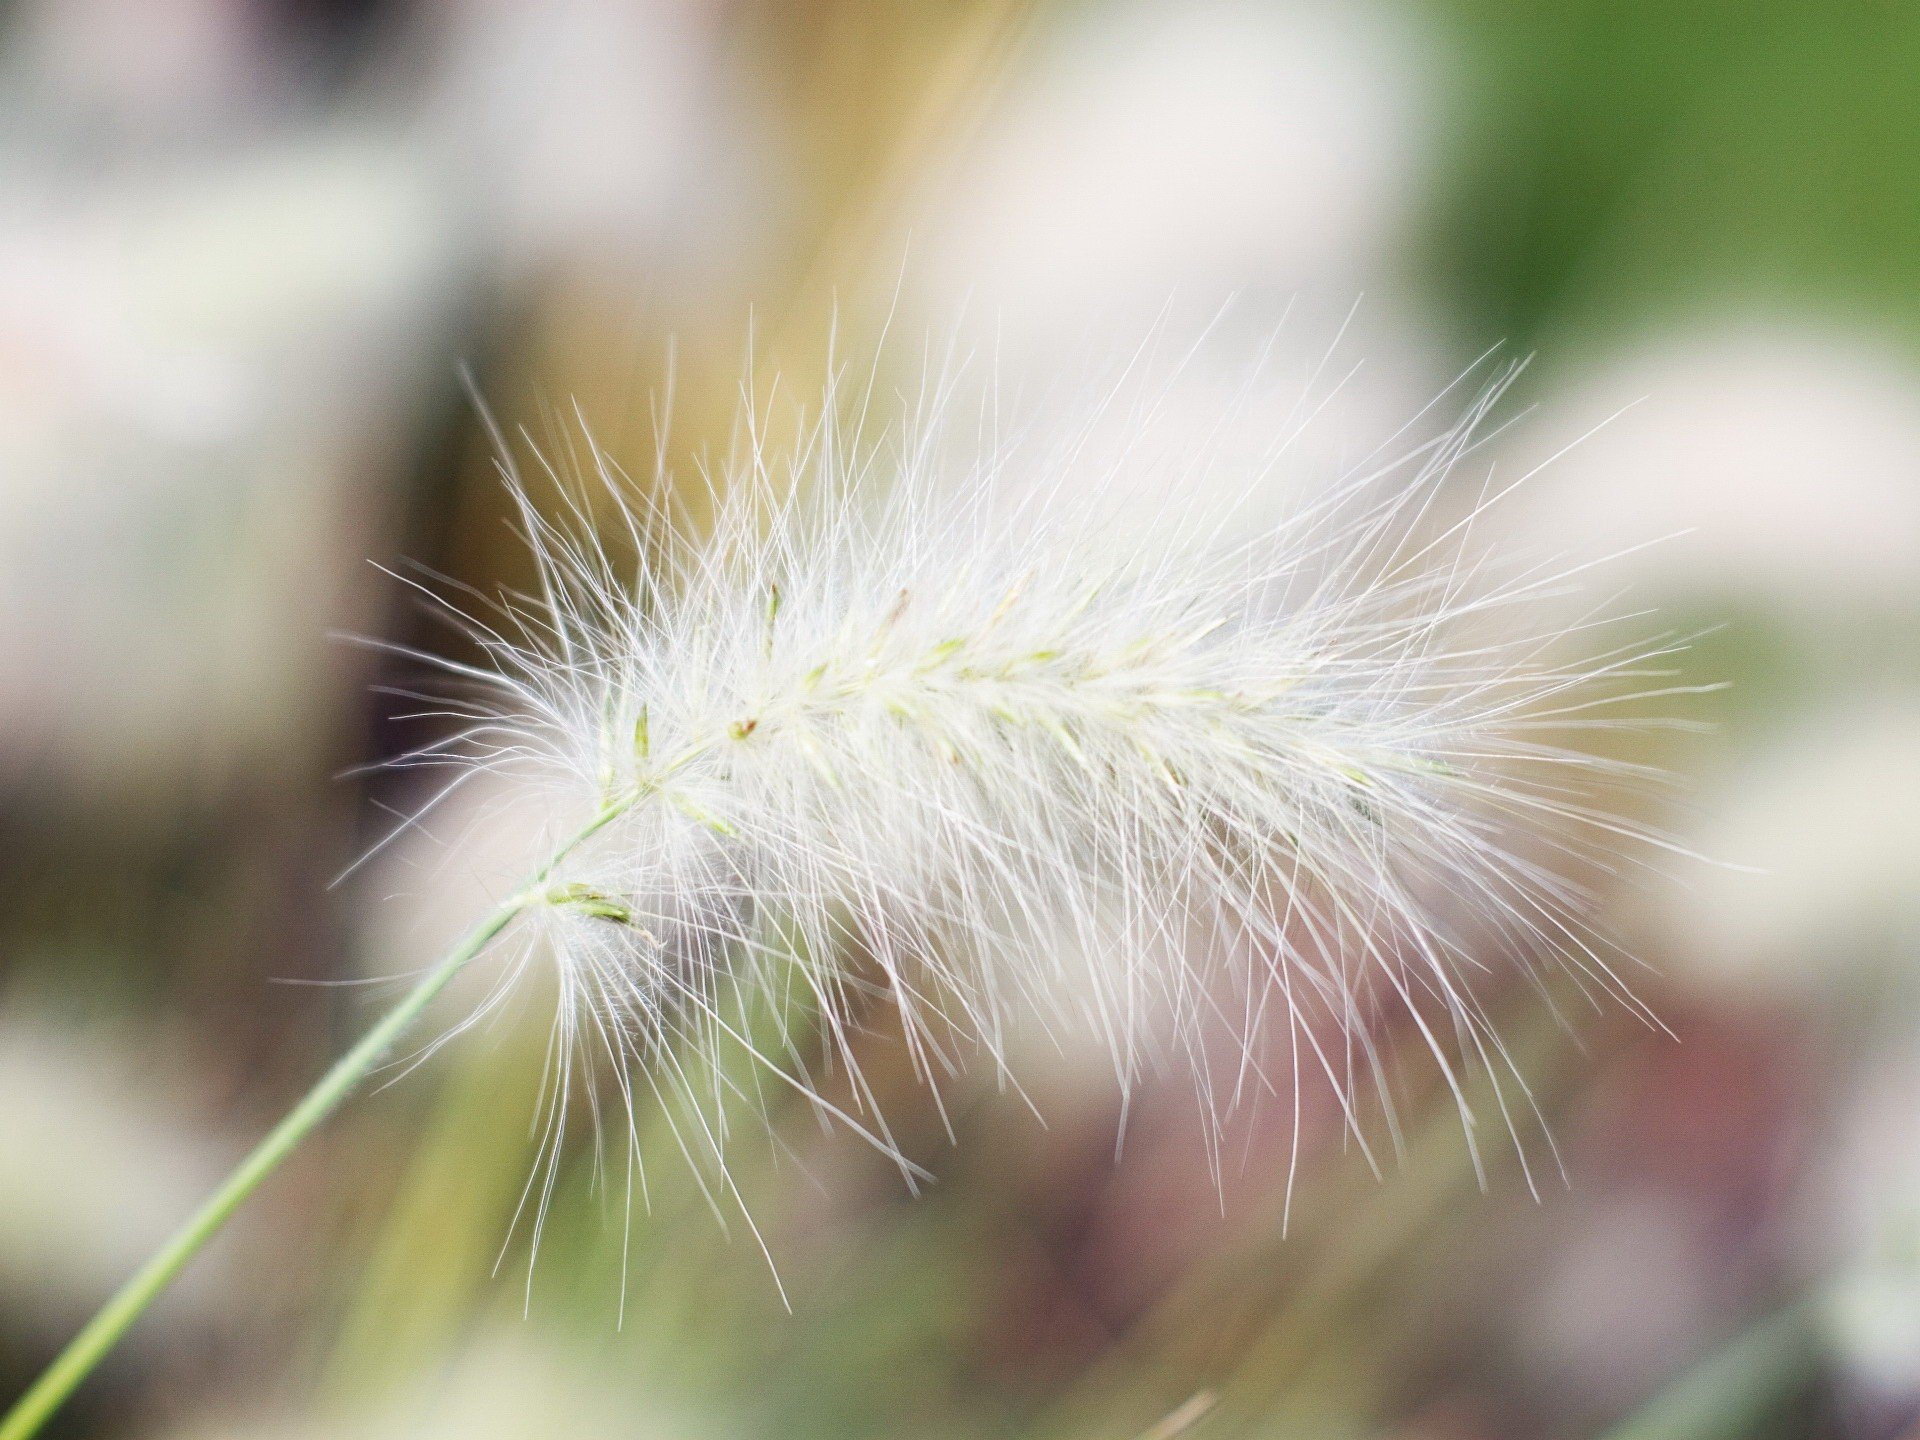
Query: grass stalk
110	1323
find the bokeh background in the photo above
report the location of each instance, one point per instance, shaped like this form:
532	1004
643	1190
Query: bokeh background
250	248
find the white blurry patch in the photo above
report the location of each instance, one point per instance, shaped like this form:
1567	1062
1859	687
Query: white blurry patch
1824	827
195	358
1169	170
1792	454
1865	1239
187	63
95	1170
591	132
1192	150
1620	1298
1225	428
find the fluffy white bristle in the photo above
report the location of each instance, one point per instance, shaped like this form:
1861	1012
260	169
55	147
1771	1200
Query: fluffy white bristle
892	717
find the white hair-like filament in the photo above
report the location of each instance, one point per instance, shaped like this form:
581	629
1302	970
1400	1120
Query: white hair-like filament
893	715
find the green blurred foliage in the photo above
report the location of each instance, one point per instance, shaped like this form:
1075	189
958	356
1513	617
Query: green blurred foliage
1612	162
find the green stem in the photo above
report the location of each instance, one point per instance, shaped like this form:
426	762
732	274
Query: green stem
100	1334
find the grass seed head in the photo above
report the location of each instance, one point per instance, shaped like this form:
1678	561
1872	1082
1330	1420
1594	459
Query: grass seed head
899	720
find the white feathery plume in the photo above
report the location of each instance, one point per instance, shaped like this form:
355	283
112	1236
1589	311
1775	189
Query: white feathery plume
888	719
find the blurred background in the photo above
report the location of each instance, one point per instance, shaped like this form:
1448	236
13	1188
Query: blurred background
247	248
